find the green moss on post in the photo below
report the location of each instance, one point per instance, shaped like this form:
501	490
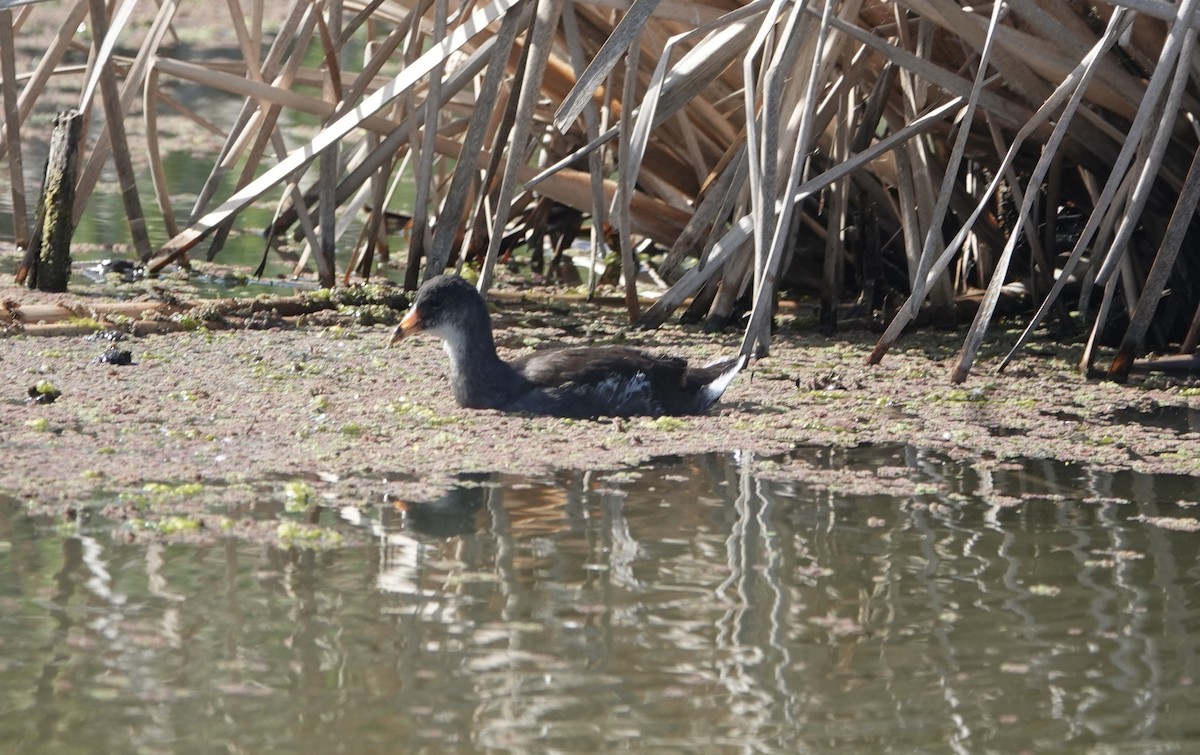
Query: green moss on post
48	259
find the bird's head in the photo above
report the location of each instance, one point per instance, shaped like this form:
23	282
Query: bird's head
442	305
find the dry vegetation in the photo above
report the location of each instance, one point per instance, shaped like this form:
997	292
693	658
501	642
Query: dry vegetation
894	158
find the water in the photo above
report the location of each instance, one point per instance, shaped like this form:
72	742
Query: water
103	223
883	600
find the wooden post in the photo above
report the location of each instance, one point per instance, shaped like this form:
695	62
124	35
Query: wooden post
47	262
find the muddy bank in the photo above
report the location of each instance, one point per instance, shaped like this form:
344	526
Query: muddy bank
222	431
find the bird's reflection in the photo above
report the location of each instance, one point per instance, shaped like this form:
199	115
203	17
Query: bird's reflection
455	513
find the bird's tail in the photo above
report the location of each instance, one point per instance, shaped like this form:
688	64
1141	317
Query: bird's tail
729	370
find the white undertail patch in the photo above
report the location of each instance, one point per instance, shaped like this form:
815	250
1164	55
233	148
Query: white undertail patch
713	390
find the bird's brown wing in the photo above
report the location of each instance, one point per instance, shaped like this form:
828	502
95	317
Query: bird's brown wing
596	364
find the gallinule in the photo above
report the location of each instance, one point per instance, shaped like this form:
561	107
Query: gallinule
578	381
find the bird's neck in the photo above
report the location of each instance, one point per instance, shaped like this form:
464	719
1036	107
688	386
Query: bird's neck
481	379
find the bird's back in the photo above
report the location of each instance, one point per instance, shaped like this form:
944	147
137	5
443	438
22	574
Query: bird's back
620	381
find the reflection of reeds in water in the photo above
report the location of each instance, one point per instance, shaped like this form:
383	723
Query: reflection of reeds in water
782	614
908	156
866	600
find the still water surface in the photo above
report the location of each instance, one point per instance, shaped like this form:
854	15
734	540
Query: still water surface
694	605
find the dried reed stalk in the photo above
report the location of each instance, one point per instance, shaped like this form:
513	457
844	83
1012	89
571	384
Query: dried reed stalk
871	141
12	130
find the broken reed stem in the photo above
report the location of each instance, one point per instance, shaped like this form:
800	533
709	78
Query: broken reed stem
115	122
12	128
47	262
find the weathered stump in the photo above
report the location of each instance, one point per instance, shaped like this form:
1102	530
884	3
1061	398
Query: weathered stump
47	262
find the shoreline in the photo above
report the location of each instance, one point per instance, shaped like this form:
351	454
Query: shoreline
240	413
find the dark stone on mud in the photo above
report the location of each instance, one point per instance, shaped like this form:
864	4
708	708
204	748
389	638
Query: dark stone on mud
119	357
